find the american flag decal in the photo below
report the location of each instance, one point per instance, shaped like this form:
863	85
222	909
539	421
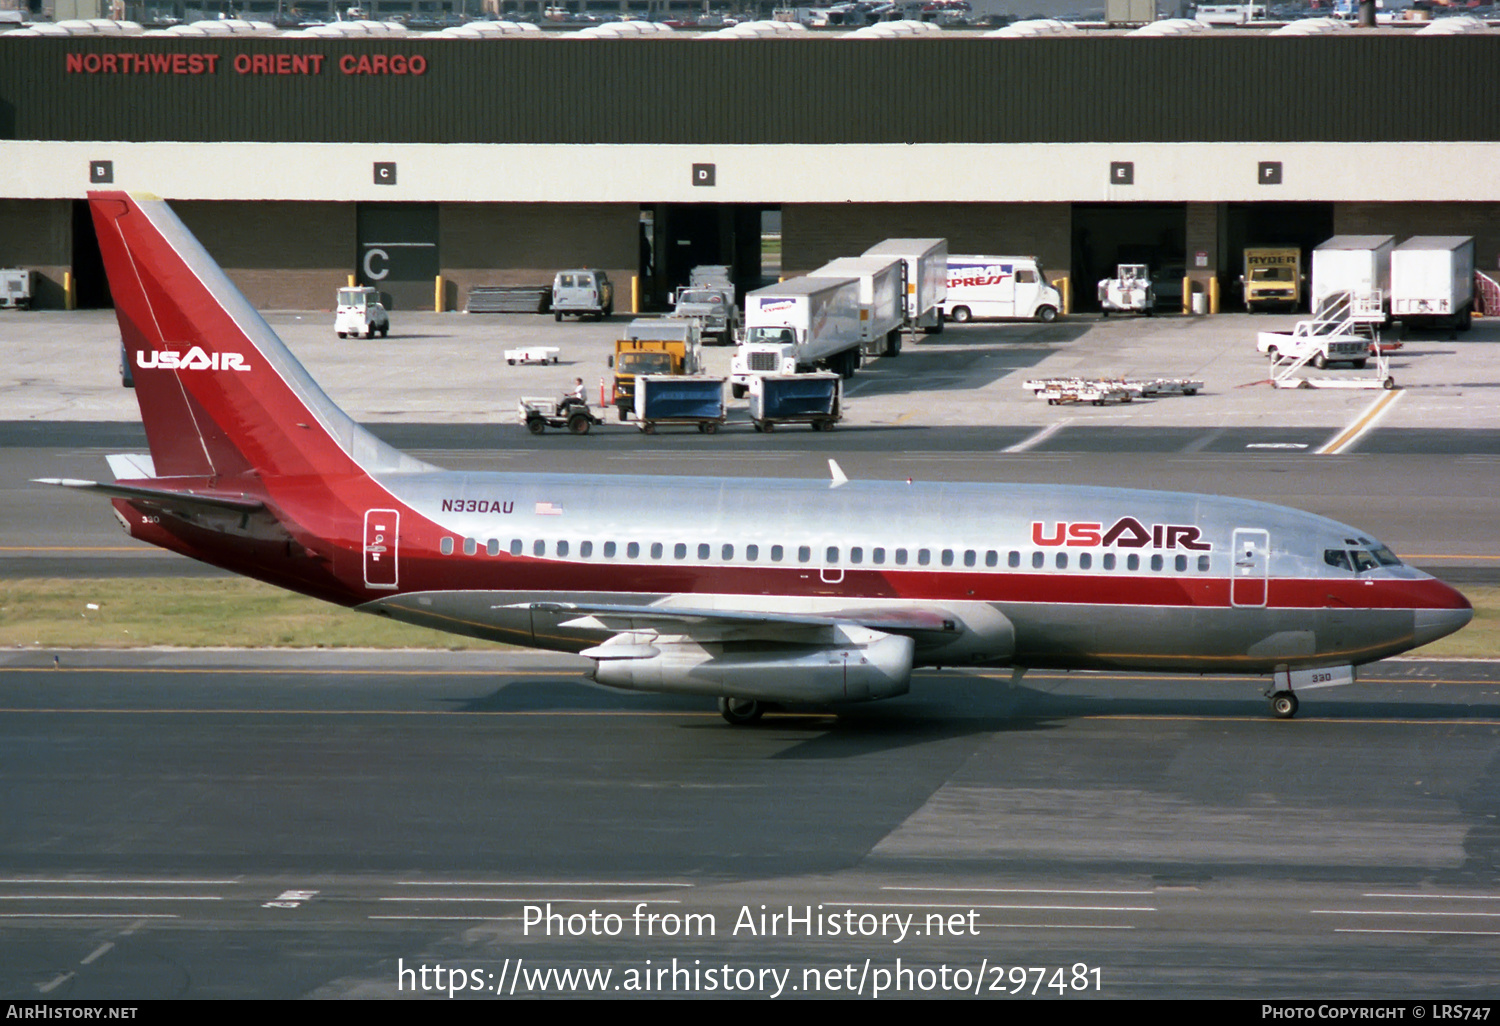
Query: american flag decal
549	509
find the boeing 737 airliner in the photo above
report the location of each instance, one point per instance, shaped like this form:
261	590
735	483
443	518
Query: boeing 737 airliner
774	592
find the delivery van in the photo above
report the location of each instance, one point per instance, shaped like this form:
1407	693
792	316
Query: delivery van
981	287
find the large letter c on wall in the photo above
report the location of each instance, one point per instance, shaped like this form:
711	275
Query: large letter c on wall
370	272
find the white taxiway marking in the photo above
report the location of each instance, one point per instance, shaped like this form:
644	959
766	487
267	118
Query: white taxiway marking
1039	437
1010	890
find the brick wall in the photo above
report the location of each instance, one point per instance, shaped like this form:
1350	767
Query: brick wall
282	256
527	243
37	236
1403	220
814	233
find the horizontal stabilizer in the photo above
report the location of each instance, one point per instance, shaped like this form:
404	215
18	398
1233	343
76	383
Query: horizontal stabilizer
132	466
185	497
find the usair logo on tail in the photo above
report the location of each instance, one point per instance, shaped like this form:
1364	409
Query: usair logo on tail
194	359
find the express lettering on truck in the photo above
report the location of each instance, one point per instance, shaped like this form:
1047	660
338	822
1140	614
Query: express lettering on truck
973	277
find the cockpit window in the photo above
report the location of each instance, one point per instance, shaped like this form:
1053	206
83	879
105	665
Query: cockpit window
1337	558
1360	560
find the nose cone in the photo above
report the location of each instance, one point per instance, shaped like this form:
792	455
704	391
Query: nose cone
1444	611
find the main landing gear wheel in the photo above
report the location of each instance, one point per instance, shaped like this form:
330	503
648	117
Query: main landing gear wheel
1283	705
741	711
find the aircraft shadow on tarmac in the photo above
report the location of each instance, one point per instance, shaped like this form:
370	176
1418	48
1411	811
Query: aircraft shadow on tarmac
962	706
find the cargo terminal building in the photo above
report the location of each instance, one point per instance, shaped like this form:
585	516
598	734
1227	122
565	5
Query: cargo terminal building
401	161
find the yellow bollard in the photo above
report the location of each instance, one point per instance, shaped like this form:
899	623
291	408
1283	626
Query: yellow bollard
70	298
437	294
1213	294
1187	294
635	293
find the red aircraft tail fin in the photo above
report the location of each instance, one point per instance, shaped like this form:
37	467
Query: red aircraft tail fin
220	394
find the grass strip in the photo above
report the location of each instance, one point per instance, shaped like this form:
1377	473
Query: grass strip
241	613
194	613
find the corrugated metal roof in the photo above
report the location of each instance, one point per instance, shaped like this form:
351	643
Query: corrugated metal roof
1073	88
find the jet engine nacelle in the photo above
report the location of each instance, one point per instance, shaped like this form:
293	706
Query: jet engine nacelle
866	665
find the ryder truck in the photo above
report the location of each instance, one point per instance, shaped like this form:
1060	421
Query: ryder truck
1272	278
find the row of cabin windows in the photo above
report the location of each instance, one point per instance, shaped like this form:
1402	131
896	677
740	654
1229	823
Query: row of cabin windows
855	555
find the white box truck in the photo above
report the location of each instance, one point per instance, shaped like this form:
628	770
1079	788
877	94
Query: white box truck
926	264
882	307
1432	281
998	286
799	325
1357	264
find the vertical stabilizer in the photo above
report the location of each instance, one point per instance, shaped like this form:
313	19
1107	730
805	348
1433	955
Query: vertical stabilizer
220	394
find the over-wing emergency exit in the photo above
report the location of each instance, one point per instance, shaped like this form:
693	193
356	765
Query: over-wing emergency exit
790	592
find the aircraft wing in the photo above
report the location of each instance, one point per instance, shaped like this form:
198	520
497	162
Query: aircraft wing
716	623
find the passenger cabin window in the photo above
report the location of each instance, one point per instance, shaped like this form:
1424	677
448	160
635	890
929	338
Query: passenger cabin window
633	550
1038	560
971	558
752	552
1085	561
856	555
776	553
704	550
1109	561
470	547
679	551
1014	559
1180	563
585	549
562	548
656	550
609	550
900	557
833	554
516	546
446	546
1132	562
1062	561
538	548
493	547
947	557
804	553
992	558
1203	564
877	556
923	557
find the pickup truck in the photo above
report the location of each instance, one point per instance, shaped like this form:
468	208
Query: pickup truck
1321	349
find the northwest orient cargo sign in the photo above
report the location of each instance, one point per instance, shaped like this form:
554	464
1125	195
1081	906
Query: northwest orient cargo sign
309	64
